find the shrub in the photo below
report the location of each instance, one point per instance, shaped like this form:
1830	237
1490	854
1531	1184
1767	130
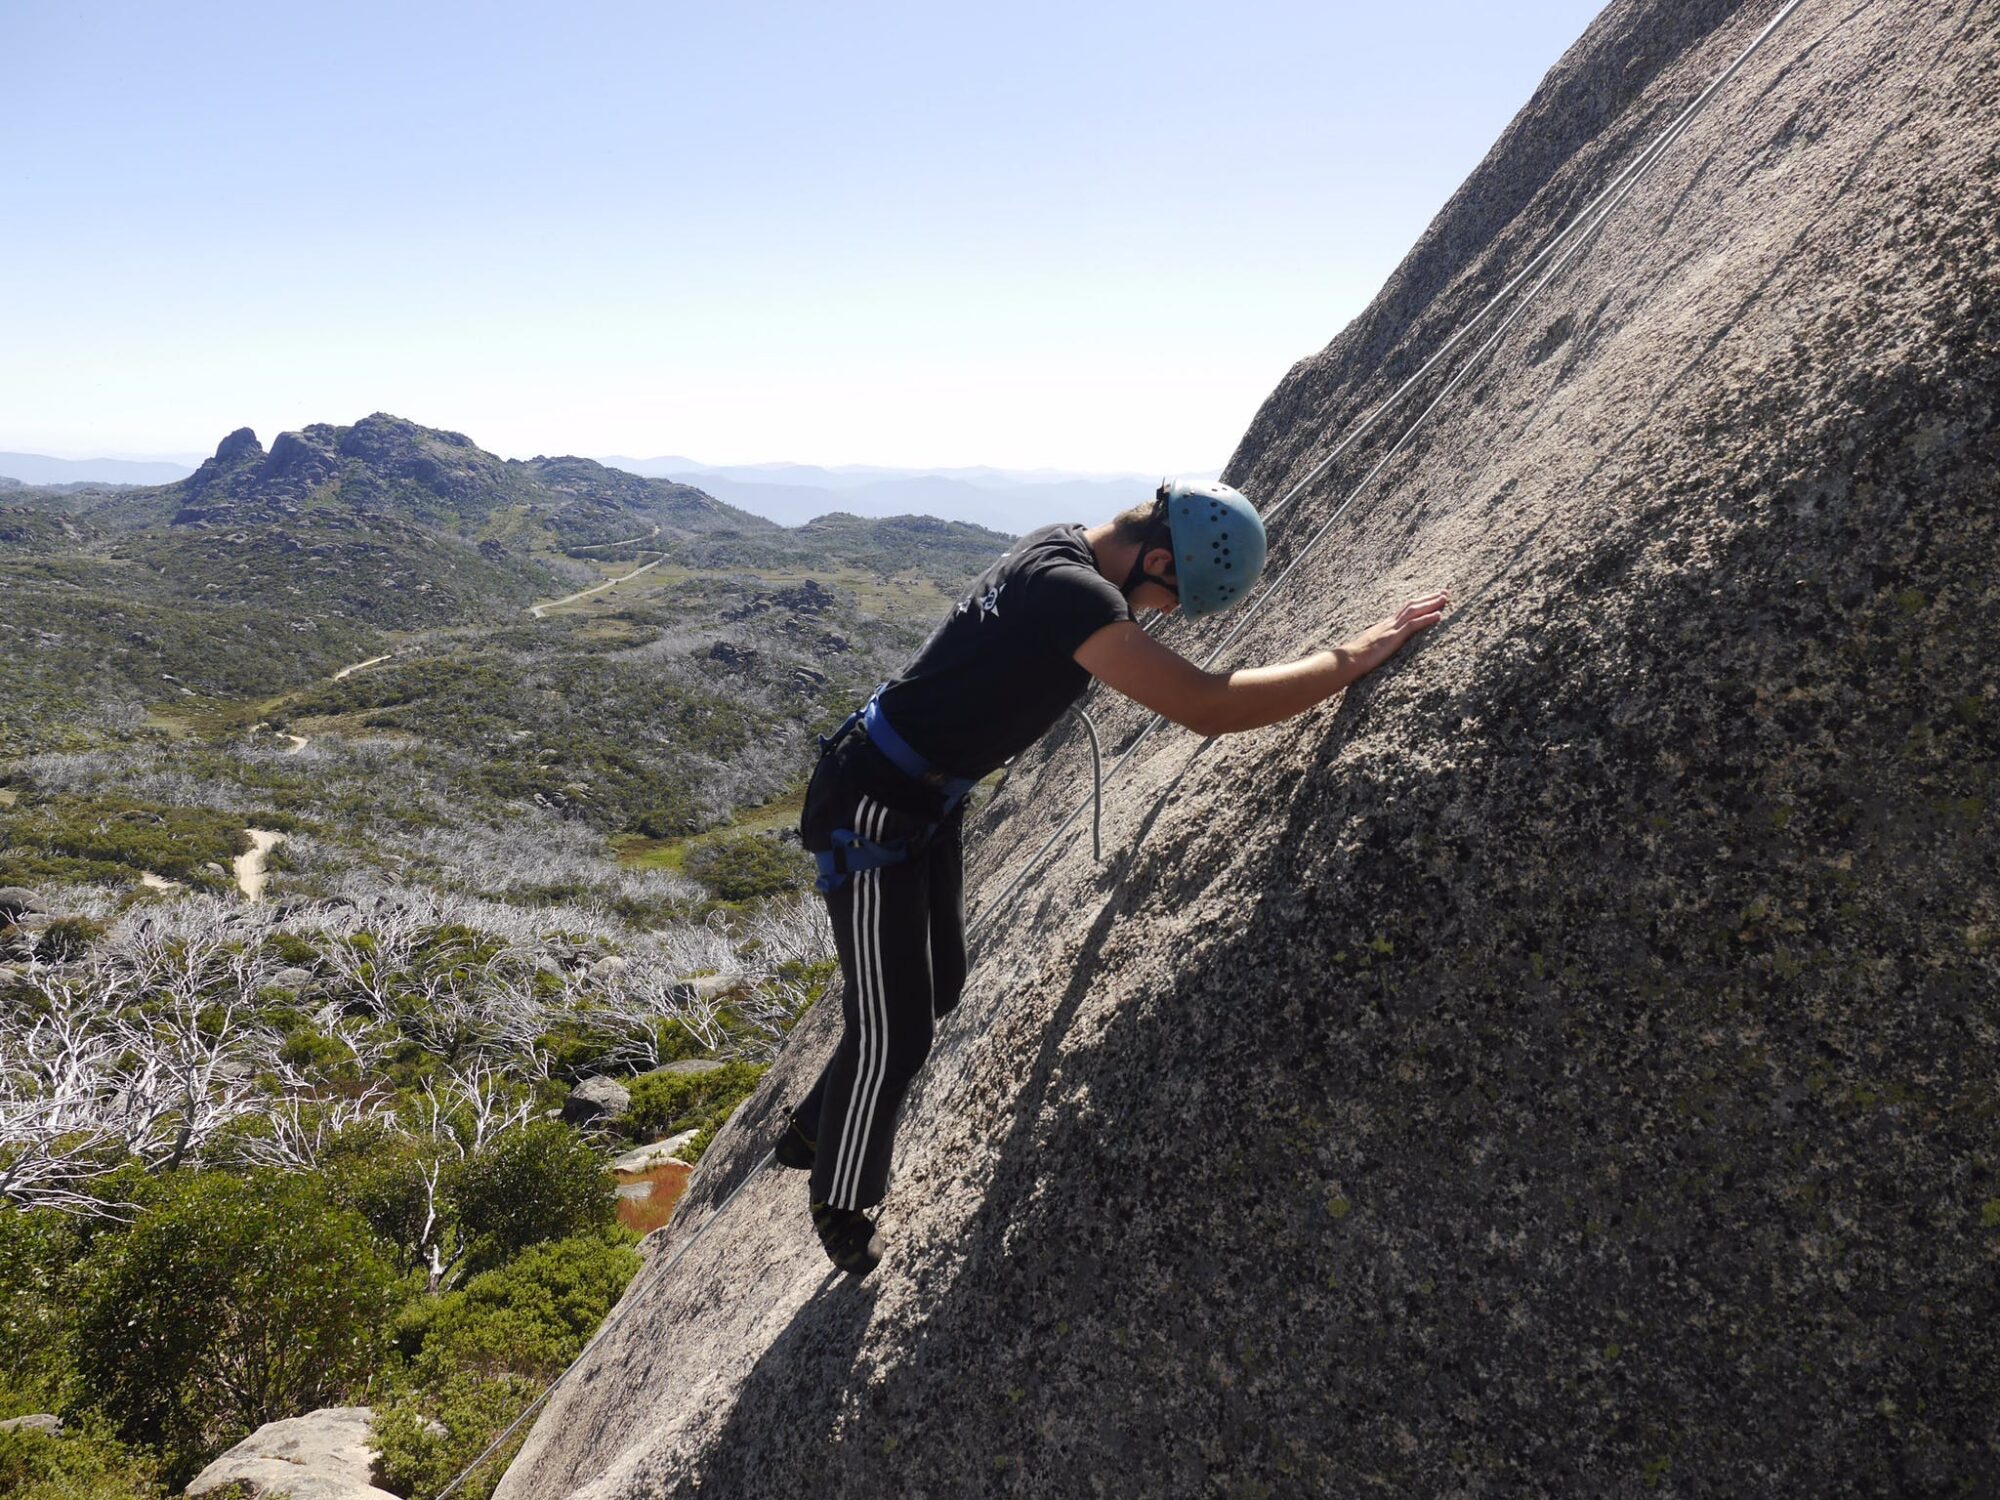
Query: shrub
542	1182
67	939
36	1252
747	866
229	1303
478	1356
668	1103
85	1463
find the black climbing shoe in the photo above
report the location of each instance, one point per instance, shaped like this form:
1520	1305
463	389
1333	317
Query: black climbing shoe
795	1148
850	1238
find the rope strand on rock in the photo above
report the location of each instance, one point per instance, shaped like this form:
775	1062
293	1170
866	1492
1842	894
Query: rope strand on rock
1564	246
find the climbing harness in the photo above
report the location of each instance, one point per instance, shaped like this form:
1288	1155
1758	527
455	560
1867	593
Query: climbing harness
1563	248
851	853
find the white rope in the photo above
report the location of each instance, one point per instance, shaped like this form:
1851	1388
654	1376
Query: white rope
1569	241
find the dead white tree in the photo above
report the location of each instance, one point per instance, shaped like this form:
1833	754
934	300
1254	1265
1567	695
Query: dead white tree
302	1122
59	1073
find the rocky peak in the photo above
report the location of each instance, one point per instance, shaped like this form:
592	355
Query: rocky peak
241	442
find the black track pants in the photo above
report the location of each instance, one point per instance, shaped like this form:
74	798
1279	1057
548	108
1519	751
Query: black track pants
900	930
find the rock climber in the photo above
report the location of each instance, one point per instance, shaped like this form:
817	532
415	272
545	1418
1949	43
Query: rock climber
885	809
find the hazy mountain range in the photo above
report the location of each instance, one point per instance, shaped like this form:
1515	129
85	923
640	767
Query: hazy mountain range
1007	500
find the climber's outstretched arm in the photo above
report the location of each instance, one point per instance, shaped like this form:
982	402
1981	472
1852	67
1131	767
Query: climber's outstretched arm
1124	657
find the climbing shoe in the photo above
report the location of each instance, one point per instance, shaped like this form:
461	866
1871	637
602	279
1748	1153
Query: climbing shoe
795	1148
850	1238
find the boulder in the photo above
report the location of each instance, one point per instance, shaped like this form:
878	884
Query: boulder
687	1066
293	979
16	900
324	1455
596	1099
41	1421
645	1158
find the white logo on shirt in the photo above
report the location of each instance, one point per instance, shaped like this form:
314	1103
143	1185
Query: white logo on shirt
990	605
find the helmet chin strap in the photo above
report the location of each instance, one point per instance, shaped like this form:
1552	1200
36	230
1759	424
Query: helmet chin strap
1158	535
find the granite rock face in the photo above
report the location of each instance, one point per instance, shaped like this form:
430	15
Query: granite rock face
1568	1064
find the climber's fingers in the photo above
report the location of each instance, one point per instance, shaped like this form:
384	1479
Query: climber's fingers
1421	614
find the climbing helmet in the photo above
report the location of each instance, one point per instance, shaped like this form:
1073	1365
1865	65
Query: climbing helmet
1218	544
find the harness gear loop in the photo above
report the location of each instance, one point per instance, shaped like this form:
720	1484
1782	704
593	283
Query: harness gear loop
851	854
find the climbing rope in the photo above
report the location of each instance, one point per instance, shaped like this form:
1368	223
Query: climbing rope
1563	247
617	1316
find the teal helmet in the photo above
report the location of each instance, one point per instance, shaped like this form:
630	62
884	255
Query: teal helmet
1218	544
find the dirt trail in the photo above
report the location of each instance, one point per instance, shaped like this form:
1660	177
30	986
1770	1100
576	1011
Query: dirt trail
626	542
249	865
538	610
348	671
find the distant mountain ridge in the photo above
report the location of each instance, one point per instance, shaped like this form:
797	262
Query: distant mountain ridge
39	468
785	493
1010	500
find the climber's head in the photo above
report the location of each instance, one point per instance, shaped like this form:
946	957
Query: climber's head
1200	544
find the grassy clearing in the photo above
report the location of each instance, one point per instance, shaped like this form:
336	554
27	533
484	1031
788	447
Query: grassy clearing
671	854
905	595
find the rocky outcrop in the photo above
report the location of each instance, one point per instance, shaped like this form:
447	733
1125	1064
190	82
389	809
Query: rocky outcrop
324	1455
596	1099
1566	1064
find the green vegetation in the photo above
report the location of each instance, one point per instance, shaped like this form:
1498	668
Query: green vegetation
301	1153
477	1357
110	838
229	1303
665	1104
745	866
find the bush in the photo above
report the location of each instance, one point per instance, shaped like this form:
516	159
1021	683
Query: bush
542	1182
229	1303
668	1103
479	1356
36	1252
85	1463
67	939
747	866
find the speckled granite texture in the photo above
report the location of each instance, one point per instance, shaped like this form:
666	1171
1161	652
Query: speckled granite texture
1568	1066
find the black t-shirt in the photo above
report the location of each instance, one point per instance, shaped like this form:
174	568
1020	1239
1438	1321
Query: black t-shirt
1000	671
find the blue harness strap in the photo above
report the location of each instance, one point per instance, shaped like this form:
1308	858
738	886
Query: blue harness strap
907	760
851	853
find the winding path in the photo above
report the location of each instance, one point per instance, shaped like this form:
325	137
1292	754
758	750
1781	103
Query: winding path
250	865
348	671
538	610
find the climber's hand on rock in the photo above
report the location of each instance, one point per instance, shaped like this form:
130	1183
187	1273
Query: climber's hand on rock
1378	643
1420	614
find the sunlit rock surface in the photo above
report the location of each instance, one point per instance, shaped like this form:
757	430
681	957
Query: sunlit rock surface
1568	1065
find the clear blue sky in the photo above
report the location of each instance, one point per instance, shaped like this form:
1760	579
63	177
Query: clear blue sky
1089	236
